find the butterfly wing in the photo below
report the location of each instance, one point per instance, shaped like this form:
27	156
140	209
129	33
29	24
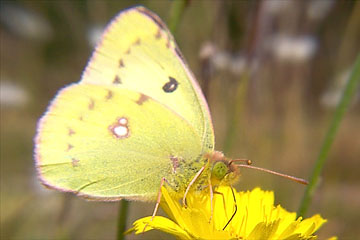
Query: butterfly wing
137	115
110	143
138	52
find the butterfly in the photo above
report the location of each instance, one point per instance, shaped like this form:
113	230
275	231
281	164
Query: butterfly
136	120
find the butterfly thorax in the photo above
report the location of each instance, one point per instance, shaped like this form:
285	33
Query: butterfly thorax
217	170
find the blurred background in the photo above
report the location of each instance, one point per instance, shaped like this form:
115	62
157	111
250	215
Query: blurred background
272	71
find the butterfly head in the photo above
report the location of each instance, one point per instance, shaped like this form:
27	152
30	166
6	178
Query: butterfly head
223	170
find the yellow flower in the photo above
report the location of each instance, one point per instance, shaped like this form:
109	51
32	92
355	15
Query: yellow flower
256	217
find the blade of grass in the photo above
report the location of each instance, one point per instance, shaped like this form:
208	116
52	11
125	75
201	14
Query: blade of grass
349	91
176	12
122	216
235	113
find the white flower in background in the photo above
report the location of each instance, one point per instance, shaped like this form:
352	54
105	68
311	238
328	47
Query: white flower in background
25	23
296	49
94	34
12	95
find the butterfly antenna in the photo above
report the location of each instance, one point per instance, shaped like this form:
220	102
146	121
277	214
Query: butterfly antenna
248	163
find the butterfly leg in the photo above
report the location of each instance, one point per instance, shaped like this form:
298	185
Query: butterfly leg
224	202
211	200
191	183
163	180
233	215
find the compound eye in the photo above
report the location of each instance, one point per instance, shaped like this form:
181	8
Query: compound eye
219	170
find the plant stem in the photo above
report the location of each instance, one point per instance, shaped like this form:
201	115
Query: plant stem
122	216
349	91
177	10
235	112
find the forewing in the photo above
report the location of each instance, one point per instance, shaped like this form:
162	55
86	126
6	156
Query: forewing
138	52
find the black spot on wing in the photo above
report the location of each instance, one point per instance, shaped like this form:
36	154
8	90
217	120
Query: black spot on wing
109	95
71	132
69	147
91	104
75	162
170	86
158	34
137	42
121	63
117	80
142	99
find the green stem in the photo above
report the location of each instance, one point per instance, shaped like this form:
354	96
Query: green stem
349	91
122	216
235	113
177	10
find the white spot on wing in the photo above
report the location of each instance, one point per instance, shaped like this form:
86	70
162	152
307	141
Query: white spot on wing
121	131
123	121
120	128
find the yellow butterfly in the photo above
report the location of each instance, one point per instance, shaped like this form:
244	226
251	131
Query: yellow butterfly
136	120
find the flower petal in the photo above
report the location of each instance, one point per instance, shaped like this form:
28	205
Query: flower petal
310	225
160	223
263	231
